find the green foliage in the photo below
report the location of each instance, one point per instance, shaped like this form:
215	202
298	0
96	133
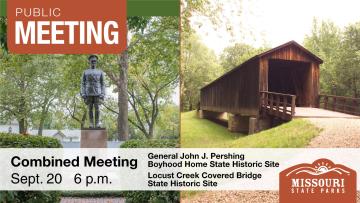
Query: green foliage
30	197
118	74
190	43
22	141
137	23
191	8
199	64
153	76
294	134
18	77
235	55
71	110
151	196
204	133
325	42
204	8
340	72
3	38
145	143
109	119
28	86
199	67
349	67
167	126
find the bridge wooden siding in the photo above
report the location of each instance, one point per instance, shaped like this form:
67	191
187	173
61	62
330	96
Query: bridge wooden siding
228	93
239	90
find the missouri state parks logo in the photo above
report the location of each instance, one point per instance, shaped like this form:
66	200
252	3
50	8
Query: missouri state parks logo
321	181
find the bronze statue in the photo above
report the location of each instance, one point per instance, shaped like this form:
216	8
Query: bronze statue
93	90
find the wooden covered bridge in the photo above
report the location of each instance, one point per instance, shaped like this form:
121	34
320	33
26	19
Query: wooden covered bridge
281	83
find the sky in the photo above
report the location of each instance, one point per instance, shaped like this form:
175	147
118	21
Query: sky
176	96
272	22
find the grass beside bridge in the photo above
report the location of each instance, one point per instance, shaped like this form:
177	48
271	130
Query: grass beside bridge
197	132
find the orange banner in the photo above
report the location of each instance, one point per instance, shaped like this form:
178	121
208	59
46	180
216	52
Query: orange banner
66	26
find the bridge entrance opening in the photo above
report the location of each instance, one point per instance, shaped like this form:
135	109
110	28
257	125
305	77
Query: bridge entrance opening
290	77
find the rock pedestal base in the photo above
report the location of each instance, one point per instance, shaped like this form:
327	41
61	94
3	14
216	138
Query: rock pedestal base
93	138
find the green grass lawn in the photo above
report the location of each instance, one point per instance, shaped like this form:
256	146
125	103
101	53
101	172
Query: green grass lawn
197	132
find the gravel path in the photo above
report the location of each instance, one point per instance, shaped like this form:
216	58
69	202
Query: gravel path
234	196
238	197
336	132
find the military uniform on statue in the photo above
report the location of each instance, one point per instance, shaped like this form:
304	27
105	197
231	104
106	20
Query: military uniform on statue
93	94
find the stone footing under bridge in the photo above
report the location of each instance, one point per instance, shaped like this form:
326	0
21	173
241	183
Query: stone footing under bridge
239	123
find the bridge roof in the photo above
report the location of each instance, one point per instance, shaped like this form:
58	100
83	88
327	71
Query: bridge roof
290	43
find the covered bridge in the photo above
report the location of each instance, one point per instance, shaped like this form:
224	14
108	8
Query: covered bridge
269	85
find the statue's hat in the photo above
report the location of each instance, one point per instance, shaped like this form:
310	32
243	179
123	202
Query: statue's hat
93	55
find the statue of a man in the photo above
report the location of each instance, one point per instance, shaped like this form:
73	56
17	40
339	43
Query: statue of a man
93	89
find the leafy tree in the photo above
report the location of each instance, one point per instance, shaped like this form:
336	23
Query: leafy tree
153	76
348	70
109	119
340	51
3	39
17	79
199	67
237	54
189	9
29	85
48	87
325	42
72	67
168	122
212	12
119	77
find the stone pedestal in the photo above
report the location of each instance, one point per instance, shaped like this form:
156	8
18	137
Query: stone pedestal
93	138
